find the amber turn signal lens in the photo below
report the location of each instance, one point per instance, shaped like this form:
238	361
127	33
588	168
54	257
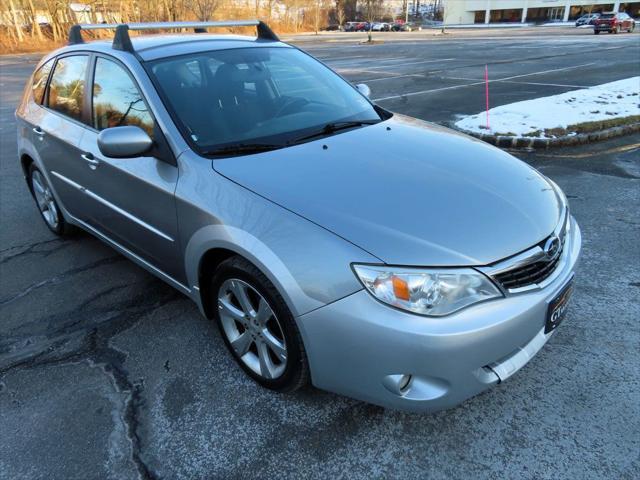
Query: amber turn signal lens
401	288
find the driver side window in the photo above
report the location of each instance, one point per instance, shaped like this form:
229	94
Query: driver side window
117	100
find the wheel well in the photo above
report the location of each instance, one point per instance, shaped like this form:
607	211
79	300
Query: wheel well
26	161
208	265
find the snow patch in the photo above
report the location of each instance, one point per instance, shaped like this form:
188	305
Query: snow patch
531	117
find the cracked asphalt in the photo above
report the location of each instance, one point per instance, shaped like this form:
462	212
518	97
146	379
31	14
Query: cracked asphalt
106	372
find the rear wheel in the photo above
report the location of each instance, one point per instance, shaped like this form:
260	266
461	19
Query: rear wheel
47	205
596	32
632	28
258	327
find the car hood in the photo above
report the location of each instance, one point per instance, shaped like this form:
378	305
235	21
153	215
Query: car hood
408	192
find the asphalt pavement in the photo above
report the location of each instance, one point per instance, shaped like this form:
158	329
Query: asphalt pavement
107	372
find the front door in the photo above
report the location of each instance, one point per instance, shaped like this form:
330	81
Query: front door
133	198
58	129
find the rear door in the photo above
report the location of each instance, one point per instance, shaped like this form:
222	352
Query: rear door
58	128
134	197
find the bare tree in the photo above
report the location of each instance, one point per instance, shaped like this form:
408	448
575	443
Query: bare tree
269	4
32	17
17	23
372	11
204	9
340	14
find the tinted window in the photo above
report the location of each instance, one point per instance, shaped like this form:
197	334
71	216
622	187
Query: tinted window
40	81
66	90
607	15
255	95
116	99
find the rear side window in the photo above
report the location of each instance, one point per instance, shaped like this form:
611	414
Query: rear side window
40	81
66	89
116	99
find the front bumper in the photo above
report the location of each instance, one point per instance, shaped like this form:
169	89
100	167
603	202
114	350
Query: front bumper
361	348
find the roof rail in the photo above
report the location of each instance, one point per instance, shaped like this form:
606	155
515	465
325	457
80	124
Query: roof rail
122	41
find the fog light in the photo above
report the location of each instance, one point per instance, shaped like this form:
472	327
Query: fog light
403	384
398	384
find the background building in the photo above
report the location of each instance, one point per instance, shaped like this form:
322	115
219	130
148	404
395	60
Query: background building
460	12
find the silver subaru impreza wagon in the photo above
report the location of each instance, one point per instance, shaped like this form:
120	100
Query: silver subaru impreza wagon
333	242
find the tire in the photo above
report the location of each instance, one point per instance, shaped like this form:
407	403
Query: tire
255	343
46	203
596	32
617	30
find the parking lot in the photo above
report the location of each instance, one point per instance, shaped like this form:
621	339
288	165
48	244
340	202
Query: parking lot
107	372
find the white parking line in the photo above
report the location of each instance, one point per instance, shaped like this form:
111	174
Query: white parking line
369	59
545	71
413	63
511	81
347	71
411	94
546	84
329	59
369	80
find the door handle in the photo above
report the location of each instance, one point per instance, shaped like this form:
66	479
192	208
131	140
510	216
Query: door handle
89	158
38	131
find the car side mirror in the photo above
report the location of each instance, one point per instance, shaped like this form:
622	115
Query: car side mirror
364	89
124	142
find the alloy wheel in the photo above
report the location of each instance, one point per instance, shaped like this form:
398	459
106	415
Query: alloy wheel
252	328
45	200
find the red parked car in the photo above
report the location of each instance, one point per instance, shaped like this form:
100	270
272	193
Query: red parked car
614	23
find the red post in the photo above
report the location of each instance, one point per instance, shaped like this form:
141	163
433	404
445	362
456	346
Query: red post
486	91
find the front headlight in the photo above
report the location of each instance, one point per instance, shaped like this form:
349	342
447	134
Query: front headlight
433	291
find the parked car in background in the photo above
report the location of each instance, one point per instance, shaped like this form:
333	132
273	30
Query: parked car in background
381	27
362	27
588	19
332	28
408	27
613	22
350	26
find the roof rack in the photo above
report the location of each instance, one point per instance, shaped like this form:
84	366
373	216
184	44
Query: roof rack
122	41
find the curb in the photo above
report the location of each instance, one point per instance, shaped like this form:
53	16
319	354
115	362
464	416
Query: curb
545	143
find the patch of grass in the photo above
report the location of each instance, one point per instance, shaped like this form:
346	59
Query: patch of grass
597	125
508	134
555	132
535	133
585	127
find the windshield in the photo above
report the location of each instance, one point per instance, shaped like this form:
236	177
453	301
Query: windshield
267	96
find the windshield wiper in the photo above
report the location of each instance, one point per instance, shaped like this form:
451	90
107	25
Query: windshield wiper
240	149
333	127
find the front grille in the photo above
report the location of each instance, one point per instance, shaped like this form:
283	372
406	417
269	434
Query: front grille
532	267
529	274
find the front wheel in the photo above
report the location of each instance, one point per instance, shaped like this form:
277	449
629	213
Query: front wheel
258	327
47	205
